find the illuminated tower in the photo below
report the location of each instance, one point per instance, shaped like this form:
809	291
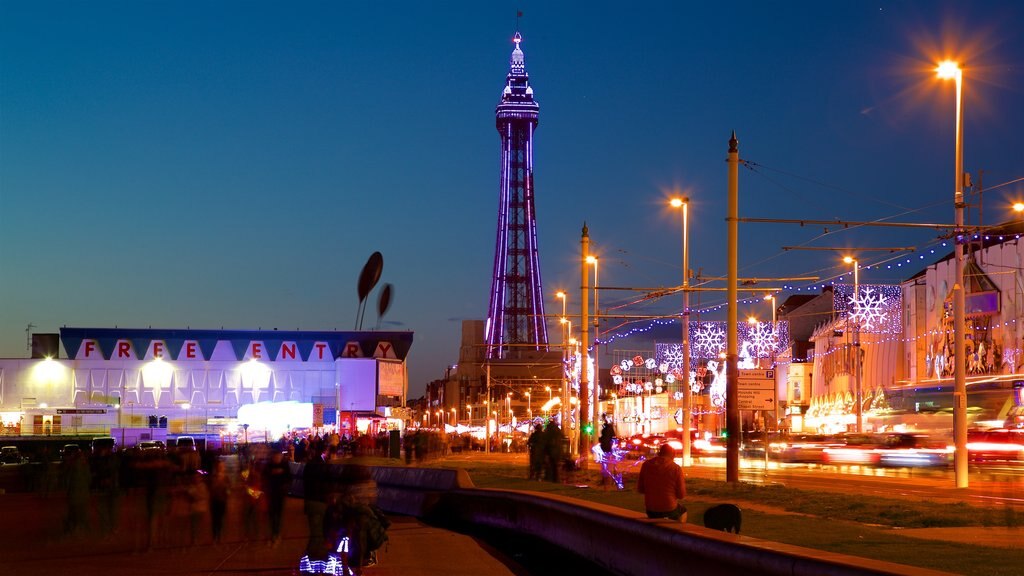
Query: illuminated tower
515	319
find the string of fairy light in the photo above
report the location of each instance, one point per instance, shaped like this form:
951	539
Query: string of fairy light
895	262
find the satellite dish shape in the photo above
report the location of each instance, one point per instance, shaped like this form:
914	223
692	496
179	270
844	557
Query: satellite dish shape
368	278
383	302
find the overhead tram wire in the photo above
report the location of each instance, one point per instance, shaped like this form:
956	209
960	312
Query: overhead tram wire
751	165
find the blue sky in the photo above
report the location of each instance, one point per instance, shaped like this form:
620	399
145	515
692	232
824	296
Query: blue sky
234	164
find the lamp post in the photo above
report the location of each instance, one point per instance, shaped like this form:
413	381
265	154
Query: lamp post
854	311
951	70
566	327
186	406
684	204
596	384
469	414
583	446
771	357
529	406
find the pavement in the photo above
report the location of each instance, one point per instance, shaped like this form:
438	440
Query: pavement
32	542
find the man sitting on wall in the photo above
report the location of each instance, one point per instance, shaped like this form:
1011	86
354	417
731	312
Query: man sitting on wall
662	484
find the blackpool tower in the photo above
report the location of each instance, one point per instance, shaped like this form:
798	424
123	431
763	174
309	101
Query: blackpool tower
515	319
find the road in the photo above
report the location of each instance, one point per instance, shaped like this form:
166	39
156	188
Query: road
994	486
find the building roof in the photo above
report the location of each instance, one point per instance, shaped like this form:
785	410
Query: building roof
141	339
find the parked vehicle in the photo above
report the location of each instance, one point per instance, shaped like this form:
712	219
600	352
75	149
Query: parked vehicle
11	455
151	446
103	443
70	451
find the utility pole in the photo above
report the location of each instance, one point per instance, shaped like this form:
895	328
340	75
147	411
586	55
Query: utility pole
584	400
732	413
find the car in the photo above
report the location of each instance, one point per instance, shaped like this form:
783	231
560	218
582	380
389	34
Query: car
186	443
995	445
854	449
802	448
152	446
107	443
70	451
639	445
11	455
914	450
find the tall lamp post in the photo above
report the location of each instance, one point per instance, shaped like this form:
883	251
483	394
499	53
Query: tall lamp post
566	327
584	397
951	70
596	384
684	204
854	311
771	355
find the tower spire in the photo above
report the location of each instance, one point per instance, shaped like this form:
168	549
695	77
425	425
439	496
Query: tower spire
515	318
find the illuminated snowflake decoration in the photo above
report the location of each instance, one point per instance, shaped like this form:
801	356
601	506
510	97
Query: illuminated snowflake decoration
671	355
763	340
707	339
878	307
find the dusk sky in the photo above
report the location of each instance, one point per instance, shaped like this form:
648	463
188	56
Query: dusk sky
234	164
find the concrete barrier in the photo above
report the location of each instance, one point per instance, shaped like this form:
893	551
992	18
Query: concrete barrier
621	541
400	490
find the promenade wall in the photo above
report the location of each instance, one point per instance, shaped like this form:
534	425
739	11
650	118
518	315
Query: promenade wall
621	541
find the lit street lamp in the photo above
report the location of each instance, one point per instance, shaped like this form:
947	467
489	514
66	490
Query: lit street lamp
591	259
951	70
854	312
684	203
566	332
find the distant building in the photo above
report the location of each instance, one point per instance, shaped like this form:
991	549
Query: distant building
204	381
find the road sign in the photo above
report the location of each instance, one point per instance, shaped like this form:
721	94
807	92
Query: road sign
756	380
754	399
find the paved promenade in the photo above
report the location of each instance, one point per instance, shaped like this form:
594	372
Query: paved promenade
31	543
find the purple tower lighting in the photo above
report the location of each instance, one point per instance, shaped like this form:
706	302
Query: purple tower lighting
515	319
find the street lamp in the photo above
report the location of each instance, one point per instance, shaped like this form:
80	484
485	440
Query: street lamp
186	406
596	384
854	311
529	406
684	204
771	354
469	411
951	70
566	326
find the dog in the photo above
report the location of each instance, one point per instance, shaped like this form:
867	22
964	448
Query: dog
724	517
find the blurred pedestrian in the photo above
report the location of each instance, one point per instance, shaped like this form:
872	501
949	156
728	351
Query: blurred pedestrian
220	489
198	494
552	443
315	487
535	444
278	479
75	470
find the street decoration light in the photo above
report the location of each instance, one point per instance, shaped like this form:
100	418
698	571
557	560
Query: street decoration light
854	312
684	203
950	70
